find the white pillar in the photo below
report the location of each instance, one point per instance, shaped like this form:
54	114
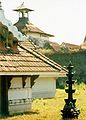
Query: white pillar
29	89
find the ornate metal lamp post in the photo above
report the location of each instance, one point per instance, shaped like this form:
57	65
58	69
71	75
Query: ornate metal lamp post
70	110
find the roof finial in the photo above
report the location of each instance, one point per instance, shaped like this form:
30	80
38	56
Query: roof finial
22	3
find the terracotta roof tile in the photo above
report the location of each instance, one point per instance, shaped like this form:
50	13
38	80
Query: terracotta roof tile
29	27
11	69
55	46
28	44
27	60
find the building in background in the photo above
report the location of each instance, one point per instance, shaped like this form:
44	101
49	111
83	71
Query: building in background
36	35
70	47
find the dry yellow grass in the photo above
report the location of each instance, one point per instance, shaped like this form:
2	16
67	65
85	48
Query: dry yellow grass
49	109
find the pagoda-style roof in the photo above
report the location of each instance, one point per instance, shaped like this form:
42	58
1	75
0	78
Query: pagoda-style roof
22	7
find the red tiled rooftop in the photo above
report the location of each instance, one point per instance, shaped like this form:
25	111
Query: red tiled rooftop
27	61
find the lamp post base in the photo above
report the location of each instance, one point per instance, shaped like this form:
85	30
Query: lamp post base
70	111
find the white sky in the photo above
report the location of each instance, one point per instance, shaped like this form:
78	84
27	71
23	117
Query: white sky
66	19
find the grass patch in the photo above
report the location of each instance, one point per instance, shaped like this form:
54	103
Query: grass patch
49	109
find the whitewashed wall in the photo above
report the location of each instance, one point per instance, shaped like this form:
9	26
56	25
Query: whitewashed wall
38	35
20	98
44	87
17	92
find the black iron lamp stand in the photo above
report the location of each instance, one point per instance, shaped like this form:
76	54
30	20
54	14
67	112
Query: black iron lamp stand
70	110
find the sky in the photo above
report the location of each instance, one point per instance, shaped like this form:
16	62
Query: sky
65	19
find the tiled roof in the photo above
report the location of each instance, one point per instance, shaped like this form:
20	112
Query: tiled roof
28	44
55	46
29	27
27	60
33	28
68	45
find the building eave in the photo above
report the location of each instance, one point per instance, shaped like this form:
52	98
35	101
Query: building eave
20	10
43	33
43	74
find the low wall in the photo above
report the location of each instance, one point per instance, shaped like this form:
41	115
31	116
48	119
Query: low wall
19	106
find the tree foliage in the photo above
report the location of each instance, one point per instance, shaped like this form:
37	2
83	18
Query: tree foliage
78	60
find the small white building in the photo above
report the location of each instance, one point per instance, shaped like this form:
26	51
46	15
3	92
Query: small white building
24	73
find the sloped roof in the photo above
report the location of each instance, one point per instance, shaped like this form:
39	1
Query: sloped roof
69	45
24	26
28	43
28	60
55	46
32	28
